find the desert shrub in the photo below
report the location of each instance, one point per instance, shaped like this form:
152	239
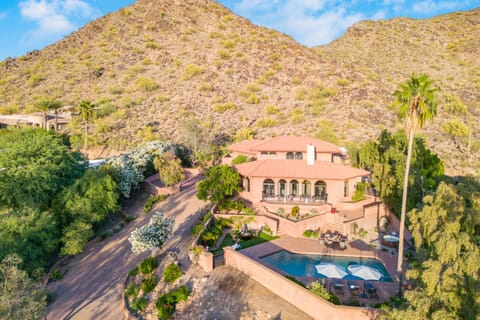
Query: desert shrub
151	44
224	54
229	44
104	235
223	107
138	304
34	80
147	84
166	302
266	123
171	273
148	265
191	71
132	290
343	82
297	116
301	94
295	211
271	110
455	128
253	99
148	284
205	86
240	159
150	202
307	233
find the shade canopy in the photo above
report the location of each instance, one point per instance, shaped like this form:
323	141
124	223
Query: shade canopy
365	272
331	270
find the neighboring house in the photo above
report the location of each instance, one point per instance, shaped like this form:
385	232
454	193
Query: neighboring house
35	120
300	170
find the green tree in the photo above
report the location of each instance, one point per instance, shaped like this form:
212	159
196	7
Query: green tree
169	167
55	105
20	297
416	102
220	182
43	106
86	109
447	271
35	166
88	201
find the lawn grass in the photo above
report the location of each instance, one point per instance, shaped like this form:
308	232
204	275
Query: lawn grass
228	241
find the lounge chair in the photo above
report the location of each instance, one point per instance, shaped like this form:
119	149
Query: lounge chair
354	289
371	291
338	287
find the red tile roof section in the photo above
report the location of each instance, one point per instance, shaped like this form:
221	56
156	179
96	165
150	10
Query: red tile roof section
295	144
245	146
298	169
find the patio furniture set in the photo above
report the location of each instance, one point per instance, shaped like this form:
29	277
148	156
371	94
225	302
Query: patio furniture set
355	289
329	239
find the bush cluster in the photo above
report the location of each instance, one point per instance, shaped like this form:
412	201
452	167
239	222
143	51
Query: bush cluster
148	284
171	273
148	265
150	202
166	303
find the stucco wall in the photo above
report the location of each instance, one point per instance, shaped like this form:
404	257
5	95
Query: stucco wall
303	299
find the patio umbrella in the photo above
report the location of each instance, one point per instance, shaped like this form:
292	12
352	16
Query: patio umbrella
364	272
331	270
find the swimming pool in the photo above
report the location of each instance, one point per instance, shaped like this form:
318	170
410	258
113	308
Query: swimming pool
303	265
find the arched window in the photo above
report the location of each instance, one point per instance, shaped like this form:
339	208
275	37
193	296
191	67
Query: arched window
268	188
290	156
282	188
306	188
320	191
346	188
298	156
294	188
246	184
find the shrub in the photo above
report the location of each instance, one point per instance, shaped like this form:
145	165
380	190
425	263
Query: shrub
224	54
133	272
132	290
148	265
147	84
253	99
191	71
171	273
266	123
128	219
106	234
56	275
197	229
307	233
138	304
153	235
240	159
150	202
224	107
271	110
318	288
149	284
181	294
166	303
295	211
205	86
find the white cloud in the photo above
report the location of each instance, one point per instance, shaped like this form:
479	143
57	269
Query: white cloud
54	17
379	15
432	7
311	22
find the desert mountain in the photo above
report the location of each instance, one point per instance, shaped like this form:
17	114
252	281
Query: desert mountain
155	63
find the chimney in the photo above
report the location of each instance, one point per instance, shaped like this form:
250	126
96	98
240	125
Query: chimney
310	154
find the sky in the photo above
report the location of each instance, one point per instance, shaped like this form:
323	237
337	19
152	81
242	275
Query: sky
26	25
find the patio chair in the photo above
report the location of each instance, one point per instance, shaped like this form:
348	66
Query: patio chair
354	289
371	291
338	287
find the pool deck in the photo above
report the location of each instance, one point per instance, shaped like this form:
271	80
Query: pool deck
354	248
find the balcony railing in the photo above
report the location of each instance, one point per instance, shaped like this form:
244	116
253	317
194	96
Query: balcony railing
296	199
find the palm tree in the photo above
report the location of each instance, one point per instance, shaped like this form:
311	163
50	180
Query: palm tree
55	105
44	106
416	102
86	112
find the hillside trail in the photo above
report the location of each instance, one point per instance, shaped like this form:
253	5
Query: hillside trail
92	288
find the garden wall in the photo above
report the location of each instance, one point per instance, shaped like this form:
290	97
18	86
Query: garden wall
152	185
303	299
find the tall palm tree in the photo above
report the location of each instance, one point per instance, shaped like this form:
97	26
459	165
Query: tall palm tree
55	105
86	112
416	102
43	106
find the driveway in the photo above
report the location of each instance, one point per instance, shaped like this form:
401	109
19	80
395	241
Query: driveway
93	286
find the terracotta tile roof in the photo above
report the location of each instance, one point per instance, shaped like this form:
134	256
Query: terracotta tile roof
295	144
245	146
298	169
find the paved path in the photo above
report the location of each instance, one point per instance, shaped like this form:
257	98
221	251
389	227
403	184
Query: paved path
93	286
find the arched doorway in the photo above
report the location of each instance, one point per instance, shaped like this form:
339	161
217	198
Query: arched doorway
268	188
298	156
294	188
290	156
282	188
306	189
320	192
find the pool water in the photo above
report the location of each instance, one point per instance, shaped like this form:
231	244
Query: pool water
303	265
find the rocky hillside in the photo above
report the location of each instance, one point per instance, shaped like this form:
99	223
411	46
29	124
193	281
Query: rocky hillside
150	66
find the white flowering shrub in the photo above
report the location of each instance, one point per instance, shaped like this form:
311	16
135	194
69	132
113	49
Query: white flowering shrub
131	166
153	235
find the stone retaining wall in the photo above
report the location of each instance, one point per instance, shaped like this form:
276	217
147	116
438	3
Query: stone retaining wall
303	299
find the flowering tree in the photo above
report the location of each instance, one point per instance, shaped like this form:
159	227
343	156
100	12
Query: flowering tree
131	166
153	235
